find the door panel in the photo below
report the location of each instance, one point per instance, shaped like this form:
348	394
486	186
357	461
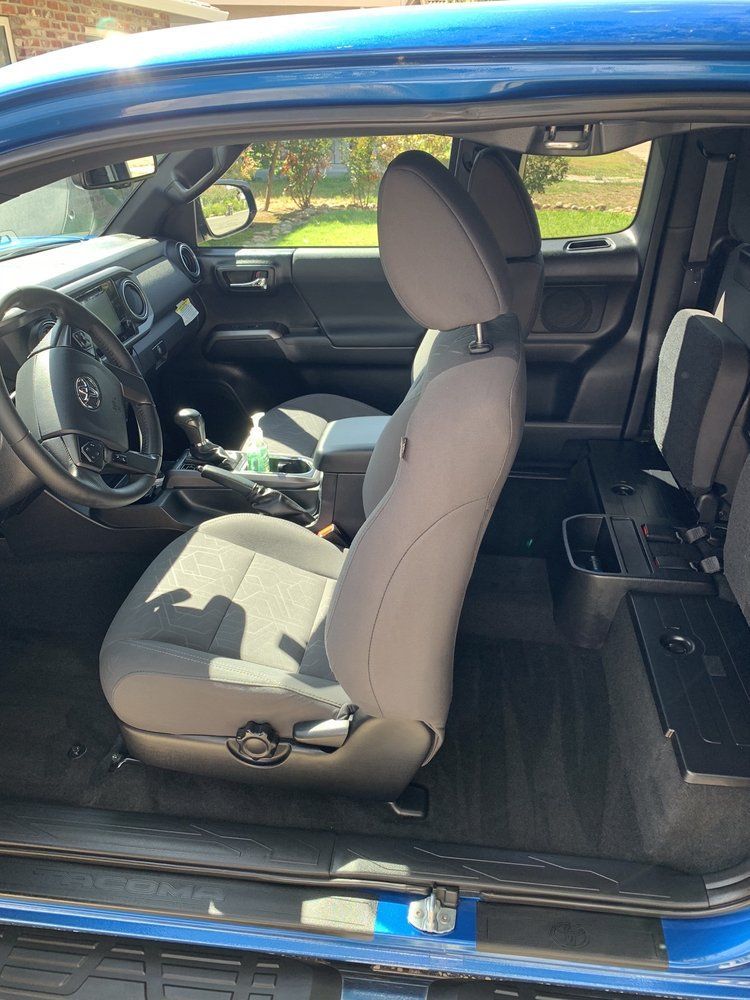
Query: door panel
347	291
585	311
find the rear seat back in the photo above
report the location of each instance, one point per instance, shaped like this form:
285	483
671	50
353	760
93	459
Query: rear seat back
701	386
701	410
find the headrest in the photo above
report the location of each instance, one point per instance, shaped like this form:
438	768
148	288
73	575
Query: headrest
497	188
438	253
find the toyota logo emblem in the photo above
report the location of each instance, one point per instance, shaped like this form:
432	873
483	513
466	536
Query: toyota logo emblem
88	392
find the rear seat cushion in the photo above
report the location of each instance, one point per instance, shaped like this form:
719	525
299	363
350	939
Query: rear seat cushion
700	384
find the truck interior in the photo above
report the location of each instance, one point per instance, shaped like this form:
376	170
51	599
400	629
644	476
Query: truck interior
482	623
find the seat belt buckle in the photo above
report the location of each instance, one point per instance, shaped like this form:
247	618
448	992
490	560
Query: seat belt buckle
332	534
710	565
692	535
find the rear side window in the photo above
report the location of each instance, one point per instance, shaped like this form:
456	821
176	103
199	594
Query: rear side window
313	192
586	195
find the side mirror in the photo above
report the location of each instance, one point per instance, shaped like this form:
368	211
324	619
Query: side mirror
226	208
116	174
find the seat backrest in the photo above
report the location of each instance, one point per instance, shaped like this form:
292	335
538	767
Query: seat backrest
441	460
701	383
501	196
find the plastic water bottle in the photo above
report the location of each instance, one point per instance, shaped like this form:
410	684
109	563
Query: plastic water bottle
257	449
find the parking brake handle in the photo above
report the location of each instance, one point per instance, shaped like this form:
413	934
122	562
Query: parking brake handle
262	499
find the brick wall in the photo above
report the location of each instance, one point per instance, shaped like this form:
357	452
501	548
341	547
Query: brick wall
41	25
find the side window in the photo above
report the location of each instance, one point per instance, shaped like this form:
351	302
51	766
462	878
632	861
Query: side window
7	49
586	195
311	192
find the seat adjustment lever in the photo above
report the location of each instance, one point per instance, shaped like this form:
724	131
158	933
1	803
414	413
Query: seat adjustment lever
323	733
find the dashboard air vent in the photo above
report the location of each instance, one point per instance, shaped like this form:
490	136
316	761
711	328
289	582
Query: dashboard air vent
134	299
189	261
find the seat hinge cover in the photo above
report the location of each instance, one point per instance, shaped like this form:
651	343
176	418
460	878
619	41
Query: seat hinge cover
436	913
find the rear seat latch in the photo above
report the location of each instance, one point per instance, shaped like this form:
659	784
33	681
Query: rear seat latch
436	914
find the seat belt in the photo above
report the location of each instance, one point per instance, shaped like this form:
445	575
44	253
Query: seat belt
705	218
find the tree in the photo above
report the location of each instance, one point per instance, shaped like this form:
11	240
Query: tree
390	146
259	156
541	171
305	163
274	153
245	166
364	172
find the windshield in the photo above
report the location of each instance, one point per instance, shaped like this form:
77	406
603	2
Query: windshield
60	212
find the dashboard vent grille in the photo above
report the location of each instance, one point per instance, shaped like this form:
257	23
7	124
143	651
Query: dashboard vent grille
188	260
134	299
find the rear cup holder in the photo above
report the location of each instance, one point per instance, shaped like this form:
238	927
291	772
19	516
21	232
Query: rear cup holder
676	643
623	490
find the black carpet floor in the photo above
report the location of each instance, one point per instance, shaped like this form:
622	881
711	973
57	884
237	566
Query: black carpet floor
529	759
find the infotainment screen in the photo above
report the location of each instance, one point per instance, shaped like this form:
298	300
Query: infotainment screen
100	304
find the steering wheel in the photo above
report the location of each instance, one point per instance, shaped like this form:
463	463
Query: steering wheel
69	422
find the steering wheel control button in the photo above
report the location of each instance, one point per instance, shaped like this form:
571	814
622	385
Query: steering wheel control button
83	340
92	452
88	393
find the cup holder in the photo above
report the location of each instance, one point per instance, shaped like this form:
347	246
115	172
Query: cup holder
676	643
289	465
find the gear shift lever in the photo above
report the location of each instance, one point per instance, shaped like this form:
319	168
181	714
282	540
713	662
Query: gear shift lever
202	450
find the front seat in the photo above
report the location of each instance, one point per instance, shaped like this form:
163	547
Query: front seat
342	663
296	427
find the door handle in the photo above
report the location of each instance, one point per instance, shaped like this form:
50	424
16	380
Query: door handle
256	278
259	283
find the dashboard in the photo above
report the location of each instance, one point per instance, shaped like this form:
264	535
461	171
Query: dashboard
144	291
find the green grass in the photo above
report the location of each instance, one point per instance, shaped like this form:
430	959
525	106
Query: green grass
623	165
357	227
349	227
562	222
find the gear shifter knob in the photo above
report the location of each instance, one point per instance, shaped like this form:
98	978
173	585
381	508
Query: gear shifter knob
194	426
202	450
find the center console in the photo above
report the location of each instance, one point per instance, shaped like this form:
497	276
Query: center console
323	493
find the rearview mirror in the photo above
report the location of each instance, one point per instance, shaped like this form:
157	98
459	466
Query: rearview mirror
116	174
226	208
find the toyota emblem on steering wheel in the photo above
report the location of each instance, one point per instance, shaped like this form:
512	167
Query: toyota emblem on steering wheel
88	392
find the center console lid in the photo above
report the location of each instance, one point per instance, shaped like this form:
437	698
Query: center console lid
347	445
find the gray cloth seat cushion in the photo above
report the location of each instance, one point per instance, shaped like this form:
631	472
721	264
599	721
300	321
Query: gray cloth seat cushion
226	626
296	427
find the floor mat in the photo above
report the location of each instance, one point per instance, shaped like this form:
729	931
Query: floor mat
528	760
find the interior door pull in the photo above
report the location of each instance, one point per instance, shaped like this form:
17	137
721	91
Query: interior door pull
247	279
260	282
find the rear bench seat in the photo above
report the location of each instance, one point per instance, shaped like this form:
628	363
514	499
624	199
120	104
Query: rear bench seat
700	416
